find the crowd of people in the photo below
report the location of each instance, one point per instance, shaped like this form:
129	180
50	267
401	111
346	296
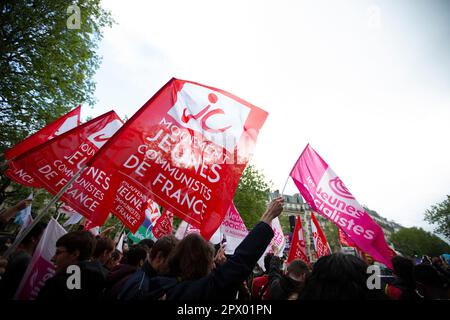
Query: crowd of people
193	269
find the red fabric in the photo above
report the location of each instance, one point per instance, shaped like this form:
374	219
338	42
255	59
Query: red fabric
56	161
46	133
186	149
164	225
320	241
344	239
393	292
59	126
257	284
298	245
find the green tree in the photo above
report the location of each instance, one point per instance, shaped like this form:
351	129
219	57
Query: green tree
251	195
440	215
46	66
416	241
332	233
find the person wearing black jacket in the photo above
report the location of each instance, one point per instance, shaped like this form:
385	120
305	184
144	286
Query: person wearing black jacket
136	286
191	265
74	248
289	285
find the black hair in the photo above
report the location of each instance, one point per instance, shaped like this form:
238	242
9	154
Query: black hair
297	267
267	260
404	269
339	277
192	257
36	232
164	245
83	241
135	255
427	275
102	245
147	242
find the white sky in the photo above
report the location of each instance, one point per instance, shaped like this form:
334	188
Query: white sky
365	82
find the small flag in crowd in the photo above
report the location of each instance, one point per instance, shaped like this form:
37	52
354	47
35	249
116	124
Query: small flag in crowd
320	241
298	244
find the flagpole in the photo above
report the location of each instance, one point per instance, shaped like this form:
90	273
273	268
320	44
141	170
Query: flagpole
41	214
285	184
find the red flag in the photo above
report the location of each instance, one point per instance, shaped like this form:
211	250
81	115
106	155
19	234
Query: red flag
344	239
65	123
320	241
164	225
56	161
185	148
298	244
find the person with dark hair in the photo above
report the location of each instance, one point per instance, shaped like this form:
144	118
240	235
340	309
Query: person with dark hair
114	261
74	248
403	286
104	247
260	284
287	286
118	276
137	284
148	243
339	277
430	284
19	260
191	273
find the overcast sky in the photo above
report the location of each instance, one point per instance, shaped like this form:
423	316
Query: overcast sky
367	83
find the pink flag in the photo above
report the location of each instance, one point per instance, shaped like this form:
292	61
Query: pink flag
40	268
326	194
278	241
298	245
234	229
57	127
320	241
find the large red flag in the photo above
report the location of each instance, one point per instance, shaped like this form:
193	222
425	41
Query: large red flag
186	148
65	123
298	244
56	161
320	241
326	194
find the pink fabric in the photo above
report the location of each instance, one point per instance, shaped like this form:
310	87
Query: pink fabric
327	195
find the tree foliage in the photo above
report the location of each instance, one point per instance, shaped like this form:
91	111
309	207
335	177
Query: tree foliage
46	68
416	241
332	233
251	195
440	215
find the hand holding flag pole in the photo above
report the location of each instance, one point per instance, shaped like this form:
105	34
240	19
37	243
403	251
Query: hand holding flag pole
41	214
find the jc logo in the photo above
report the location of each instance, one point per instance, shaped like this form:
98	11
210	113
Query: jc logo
205	114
